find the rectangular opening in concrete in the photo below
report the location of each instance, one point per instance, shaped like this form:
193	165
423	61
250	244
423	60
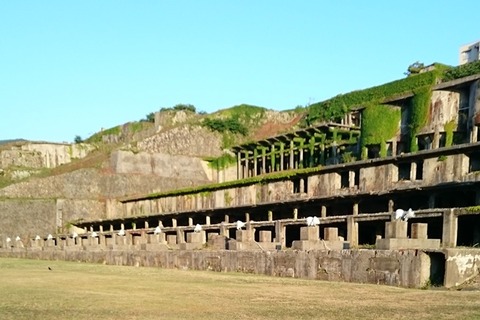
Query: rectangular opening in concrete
369	230
468	231
357	177
419	170
292	233
344	175
474	161
437	269
404	171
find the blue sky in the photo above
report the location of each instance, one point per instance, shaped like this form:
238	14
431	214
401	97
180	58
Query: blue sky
70	68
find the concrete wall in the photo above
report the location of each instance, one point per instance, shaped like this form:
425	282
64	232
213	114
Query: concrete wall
373	178
42	155
409	268
461	266
444	107
184	140
159	164
23	217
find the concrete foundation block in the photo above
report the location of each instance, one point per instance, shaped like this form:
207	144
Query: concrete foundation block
419	231
303	245
196	237
265	236
309	233
171	239
217	242
190	246
396	229
244	235
156	238
156	247
330	234
403	244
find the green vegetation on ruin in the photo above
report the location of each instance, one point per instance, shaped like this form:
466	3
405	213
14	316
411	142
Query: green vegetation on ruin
419	113
379	124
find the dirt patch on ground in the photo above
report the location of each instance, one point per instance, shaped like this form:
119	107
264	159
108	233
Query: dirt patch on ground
271	129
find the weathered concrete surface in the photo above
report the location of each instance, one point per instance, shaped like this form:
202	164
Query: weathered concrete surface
407	268
461	265
43	155
24	217
159	164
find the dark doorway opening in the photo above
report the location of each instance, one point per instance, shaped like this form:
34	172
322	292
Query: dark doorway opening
437	269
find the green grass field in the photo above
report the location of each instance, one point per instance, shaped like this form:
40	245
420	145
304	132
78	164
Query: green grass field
29	290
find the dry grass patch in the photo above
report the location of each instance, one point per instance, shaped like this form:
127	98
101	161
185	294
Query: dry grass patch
74	290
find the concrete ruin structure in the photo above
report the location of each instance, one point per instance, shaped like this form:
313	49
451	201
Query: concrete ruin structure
350	177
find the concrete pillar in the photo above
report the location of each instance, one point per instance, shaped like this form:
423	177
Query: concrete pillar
247	217
391	206
111	228
292	156
300	156
146	226
282	155
394	147
302	185
396	229
352	231
246	166
207	220
239	164
180	236
419	231
265	236
323	212
272	158
223	230
474	135
295	214
280	233
450	229
310	233
264	161
255	162
355	209
436	139
174	222
413	171
270	215
330	234
190	221
351	179
226	219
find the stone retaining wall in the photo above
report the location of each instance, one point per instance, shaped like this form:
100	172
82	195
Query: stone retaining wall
408	268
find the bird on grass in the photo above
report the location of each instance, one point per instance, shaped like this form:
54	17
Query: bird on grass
121	232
